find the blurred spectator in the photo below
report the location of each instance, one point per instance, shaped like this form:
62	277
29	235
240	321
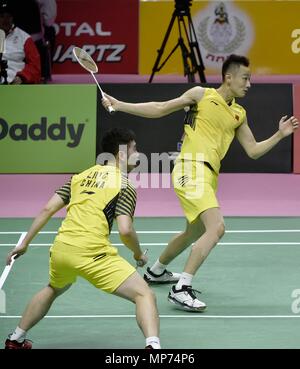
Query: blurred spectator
48	10
36	17
21	54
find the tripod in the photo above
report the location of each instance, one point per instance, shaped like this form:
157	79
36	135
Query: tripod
191	56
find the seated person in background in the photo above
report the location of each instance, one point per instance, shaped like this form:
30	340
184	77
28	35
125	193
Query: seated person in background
23	60
33	17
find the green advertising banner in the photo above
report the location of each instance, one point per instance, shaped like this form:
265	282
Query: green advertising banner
47	129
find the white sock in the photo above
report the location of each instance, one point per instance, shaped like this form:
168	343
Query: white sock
158	268
185	279
18	335
153	341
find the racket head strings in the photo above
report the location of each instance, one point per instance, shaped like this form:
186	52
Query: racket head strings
85	60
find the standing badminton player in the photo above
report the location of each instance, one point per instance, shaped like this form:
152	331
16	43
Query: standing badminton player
214	119
82	247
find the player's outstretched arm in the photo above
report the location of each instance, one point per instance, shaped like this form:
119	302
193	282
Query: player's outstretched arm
129	238
256	149
53	205
155	109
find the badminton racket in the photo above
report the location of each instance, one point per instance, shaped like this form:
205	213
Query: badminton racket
87	62
7	269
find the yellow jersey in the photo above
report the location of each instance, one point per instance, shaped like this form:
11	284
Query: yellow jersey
210	129
94	197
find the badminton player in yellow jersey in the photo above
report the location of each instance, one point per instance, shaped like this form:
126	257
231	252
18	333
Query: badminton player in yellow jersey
82	247
214	119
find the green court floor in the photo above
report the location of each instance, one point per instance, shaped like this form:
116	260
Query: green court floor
249	282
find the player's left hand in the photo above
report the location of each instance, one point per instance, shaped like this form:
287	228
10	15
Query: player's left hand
288	126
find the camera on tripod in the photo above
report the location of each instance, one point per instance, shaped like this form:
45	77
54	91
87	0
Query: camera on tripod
3	72
183	5
187	43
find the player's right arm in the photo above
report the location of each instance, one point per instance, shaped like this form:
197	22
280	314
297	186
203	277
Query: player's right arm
53	205
156	109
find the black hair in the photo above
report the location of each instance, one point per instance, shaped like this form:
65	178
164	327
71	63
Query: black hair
235	61
115	137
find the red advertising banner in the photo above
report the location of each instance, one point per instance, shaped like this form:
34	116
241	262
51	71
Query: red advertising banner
107	30
297	134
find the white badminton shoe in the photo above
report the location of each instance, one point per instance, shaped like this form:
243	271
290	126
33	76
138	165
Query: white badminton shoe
185	299
165	277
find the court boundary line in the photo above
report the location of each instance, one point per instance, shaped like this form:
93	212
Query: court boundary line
166	243
105	316
179	231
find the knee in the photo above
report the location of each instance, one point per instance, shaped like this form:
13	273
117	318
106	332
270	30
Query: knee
220	230
58	291
150	294
194	235
217	231
147	293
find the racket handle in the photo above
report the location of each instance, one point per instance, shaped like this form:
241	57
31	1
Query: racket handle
139	263
111	110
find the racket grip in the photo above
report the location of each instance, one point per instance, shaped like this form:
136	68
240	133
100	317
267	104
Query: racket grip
139	263
111	110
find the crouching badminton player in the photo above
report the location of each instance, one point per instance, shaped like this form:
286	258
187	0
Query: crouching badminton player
82	247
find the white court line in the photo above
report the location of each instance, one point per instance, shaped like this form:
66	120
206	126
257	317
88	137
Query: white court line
162	316
174	232
7	268
165	244
17	232
229	231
